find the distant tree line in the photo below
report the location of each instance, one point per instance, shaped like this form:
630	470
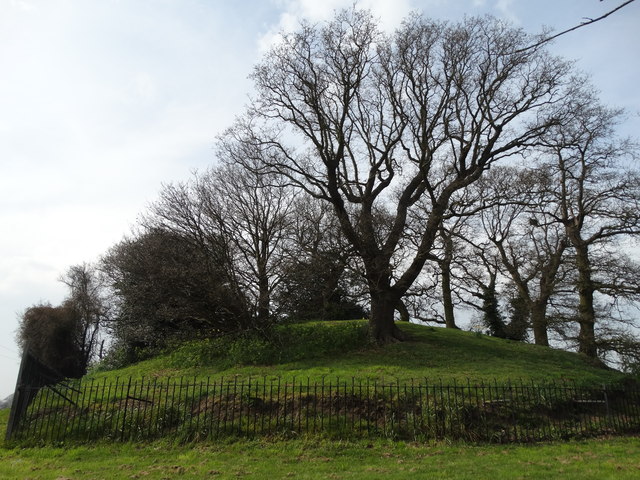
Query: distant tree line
448	166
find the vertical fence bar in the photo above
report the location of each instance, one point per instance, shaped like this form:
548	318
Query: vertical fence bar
317	403
98	403
88	411
148	405
249	403
240	397
285	401
31	423
101	408
108	416
624	399
69	415
279	402
153	424
46	415
165	412
212	395
117	400
190	407
55	410
32	417
292	409
456	424
268	405
124	414
610	422
61	421
301	402
308	401
383	402
272	407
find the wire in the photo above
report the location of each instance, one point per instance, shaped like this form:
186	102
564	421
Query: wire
8	349
583	24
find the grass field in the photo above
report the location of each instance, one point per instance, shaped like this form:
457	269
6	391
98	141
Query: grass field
337	350
617	459
598	459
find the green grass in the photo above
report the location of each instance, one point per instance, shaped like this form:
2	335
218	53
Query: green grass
310	459
597	459
338	349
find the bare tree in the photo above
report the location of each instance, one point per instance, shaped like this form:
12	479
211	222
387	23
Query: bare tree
232	211
368	122
253	212
88	297
320	278
480	284
597	196
529	242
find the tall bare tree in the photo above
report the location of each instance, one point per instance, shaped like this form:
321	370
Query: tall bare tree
597	196
253	212
88	298
320	279
529	242
369	122
233	211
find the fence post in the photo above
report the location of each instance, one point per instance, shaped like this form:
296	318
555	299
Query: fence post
19	401
606	404
124	413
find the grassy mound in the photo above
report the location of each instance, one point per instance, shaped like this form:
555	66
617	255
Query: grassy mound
319	350
274	385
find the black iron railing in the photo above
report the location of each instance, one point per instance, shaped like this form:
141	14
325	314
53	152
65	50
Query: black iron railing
194	409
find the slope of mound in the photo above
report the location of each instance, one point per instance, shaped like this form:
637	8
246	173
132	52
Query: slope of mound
340	350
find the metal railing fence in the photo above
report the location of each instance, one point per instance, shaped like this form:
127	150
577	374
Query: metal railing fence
197	409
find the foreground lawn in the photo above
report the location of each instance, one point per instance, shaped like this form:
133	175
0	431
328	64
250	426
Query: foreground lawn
311	459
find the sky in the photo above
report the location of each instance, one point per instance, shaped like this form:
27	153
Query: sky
103	101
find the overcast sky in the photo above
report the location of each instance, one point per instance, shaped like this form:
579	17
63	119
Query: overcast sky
101	101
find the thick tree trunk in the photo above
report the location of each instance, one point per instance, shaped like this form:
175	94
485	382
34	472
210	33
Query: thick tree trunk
447	299
445	269
264	299
403	311
586	310
381	323
539	323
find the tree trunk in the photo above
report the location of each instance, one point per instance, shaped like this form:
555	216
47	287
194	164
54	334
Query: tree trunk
447	300
403	311
263	296
586	311
539	323
445	269
381	323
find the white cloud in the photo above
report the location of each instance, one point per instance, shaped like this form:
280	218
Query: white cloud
24	5
389	12
145	86
506	10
